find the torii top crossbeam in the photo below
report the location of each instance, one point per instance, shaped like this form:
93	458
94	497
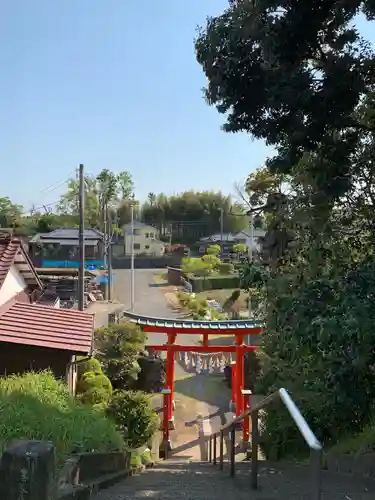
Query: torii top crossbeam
200	327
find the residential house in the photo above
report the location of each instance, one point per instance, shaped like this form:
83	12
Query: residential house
34	333
60	248
245	238
145	240
228	240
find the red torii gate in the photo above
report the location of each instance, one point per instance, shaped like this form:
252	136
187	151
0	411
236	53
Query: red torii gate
237	328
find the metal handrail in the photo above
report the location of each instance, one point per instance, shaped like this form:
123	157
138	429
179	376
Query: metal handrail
316	449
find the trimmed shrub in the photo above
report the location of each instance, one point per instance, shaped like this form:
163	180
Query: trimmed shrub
88	365
91	380
135	418
37	406
184	298
213	249
211	260
96	396
94	388
225	268
214	283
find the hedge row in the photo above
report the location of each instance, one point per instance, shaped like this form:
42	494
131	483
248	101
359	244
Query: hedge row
214	283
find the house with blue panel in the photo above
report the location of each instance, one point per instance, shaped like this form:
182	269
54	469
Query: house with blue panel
60	248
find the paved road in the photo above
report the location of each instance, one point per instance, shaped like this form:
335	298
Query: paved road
149	300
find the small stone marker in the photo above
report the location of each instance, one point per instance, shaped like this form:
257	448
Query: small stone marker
27	471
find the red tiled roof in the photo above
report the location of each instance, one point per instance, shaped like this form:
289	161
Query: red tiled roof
43	326
8	251
12	252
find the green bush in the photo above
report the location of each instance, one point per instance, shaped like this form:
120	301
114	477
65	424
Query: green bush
202	311
147	457
184	298
320	346
37	406
136	459
361	442
211	260
214	283
94	388
119	346
196	266
225	268
203	303
253	368
194	305
240	248
91	380
96	396
213	249
88	365
135	418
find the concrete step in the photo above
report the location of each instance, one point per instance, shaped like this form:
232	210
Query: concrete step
202	481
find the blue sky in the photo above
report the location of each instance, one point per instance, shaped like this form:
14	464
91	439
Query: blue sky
112	84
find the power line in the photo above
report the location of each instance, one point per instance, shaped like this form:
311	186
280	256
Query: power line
49	189
57	184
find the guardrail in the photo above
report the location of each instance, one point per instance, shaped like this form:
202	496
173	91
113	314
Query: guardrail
316	449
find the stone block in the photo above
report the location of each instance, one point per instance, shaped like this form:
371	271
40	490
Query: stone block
28	471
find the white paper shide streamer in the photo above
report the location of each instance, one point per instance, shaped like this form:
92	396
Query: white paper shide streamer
203	362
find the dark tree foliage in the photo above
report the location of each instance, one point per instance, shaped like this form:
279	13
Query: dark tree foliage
293	73
298	75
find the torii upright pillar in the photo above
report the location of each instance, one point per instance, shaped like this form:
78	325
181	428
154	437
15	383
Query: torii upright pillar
170	378
239	378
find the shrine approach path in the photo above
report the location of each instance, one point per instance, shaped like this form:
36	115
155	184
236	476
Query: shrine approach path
201	400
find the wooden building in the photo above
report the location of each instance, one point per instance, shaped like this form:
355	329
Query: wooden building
34	333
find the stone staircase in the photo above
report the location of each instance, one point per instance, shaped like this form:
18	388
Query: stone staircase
186	480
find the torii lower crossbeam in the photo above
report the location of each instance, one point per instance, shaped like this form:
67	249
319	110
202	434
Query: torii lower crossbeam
201	348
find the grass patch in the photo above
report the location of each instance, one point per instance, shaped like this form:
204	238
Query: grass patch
37	406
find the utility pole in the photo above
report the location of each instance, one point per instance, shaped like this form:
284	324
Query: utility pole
105	256
221	224
110	233
132	284
105	235
81	276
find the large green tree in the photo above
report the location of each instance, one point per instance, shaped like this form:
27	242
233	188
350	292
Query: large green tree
104	195
293	73
298	75
10	213
191	215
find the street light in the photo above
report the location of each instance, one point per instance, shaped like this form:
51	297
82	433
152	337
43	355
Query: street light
132	280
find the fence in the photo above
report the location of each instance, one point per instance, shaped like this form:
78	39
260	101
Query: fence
316	450
145	262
